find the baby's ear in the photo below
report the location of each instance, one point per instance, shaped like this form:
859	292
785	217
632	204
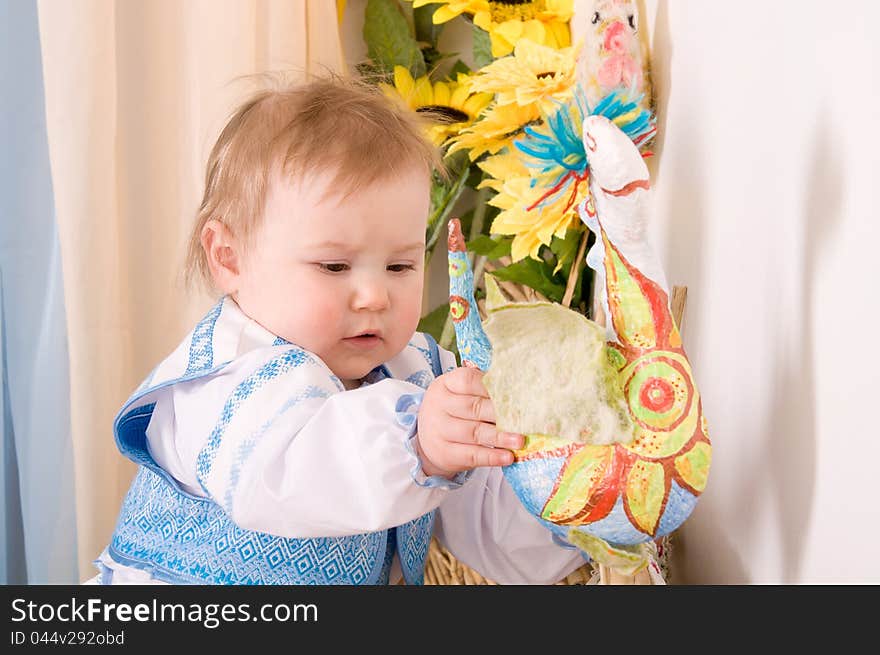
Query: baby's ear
223	254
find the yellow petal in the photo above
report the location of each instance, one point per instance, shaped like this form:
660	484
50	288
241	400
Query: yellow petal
562	9
533	30
504	36
459	96
489	183
579	484
559	33
423	94
403	81
483	20
645	493
503	167
443	14
635	324
693	466
441	94
545	227
521	248
474	105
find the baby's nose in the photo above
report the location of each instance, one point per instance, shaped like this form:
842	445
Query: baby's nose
370	295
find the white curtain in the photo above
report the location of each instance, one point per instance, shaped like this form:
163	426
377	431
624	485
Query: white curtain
136	92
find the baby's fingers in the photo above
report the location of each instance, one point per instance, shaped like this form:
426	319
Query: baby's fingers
463	456
483	434
470	408
466	381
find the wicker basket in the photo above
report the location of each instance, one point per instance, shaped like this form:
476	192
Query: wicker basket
442	568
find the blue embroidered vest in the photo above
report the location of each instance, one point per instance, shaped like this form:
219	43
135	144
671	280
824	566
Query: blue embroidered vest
186	539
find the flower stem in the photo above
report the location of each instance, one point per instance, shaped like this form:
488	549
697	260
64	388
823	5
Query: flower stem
480	205
575	270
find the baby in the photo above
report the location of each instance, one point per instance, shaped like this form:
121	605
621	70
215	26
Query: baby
304	432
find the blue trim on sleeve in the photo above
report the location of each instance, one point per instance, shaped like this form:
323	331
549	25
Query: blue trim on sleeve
406	413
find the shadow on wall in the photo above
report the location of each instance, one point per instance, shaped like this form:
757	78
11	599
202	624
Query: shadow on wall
792	437
775	472
783	472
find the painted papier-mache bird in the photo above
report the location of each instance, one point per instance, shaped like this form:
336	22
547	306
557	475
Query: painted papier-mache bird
617	450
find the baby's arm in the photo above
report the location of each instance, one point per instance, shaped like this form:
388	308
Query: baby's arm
275	440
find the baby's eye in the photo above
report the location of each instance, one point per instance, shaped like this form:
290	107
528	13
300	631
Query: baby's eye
333	267
596	18
400	268
632	21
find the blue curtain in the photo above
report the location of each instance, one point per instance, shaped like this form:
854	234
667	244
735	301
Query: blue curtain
36	463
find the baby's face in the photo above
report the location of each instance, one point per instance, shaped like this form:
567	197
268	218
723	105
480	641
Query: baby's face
340	277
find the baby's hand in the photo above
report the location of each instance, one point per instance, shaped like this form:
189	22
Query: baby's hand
457	426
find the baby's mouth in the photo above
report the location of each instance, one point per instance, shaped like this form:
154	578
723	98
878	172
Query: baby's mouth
364	340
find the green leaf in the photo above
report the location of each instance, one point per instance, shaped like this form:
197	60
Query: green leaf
492	249
624	560
565	249
431	56
482	48
389	38
534	274
433	323
584	288
426	30
458	67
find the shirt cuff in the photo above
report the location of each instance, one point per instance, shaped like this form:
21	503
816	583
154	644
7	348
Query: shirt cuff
407	413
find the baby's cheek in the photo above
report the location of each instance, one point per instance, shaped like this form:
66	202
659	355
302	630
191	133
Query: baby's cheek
407	319
325	312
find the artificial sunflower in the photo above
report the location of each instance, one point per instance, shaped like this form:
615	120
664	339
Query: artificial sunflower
452	105
531	223
508	21
543	202
532	74
555	153
497	129
499	168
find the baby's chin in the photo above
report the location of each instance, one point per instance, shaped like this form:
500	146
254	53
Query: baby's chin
351	376
355	368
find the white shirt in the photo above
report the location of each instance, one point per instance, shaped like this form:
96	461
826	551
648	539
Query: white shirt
299	456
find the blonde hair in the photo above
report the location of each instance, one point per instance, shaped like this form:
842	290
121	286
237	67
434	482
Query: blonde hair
328	123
